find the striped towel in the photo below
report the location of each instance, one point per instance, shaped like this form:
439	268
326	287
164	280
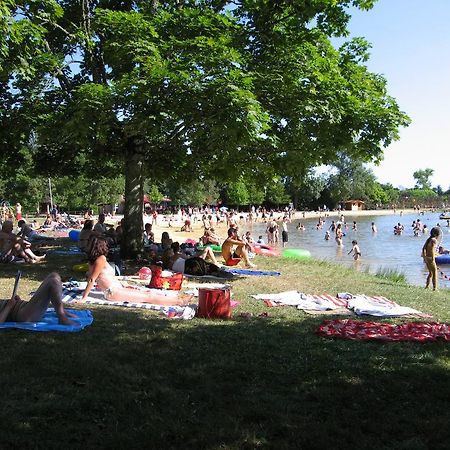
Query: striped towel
323	302
379	306
360	304
96	298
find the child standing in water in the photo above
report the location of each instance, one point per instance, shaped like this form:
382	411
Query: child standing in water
339	235
356	251
428	255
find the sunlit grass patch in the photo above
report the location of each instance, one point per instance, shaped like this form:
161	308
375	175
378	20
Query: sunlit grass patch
393	275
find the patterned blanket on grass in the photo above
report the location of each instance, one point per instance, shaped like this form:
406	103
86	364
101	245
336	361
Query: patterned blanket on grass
96	298
341	303
358	330
302	301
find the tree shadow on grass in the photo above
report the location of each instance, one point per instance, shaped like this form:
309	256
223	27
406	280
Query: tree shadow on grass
135	380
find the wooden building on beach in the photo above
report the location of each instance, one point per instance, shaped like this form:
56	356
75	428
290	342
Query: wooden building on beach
354	205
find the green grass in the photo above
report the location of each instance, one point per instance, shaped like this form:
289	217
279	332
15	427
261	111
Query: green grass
391	274
136	380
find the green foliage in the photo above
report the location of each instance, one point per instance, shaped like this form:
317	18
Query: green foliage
256	194
352	181
421	194
422	178
237	193
154	194
194	193
392	193
276	193
188	88
306	190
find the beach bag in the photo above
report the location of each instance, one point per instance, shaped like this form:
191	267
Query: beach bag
214	303
172	282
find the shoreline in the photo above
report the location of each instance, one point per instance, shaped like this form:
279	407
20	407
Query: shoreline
221	229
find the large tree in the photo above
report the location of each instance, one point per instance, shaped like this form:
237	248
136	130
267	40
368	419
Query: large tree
188	89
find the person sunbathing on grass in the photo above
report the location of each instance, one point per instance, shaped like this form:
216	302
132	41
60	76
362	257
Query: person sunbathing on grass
209	238
28	233
180	262
50	291
14	245
102	273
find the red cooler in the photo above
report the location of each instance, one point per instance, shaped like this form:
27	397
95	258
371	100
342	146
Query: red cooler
214	303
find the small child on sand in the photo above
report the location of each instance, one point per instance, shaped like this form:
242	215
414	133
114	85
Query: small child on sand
356	251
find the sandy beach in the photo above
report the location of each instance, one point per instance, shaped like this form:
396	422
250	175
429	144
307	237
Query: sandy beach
176	234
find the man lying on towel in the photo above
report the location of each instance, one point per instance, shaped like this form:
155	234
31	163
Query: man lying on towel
17	310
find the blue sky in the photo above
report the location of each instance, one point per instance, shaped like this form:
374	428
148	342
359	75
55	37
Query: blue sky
411	48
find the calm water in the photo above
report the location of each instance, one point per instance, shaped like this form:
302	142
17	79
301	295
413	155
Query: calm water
379	250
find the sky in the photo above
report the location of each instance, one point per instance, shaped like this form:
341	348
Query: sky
411	49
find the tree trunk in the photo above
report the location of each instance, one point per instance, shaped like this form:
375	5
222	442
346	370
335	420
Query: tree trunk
132	242
295	199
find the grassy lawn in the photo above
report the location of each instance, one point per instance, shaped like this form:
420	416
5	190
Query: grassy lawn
136	380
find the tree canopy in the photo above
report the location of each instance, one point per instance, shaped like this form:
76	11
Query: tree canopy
422	178
188	89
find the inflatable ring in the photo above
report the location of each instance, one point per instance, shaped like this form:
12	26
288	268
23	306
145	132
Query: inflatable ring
213	247
265	250
74	235
442	259
296	253
83	267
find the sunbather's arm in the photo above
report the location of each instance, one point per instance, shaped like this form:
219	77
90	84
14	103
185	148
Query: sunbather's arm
94	271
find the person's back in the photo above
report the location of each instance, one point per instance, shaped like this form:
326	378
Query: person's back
85	234
25	230
100	226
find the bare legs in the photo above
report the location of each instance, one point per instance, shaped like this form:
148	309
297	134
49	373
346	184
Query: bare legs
49	291
432	272
208	253
26	253
140	296
242	253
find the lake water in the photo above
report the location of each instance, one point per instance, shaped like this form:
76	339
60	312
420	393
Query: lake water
379	250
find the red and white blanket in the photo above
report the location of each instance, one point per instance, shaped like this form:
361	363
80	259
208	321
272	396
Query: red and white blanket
409	331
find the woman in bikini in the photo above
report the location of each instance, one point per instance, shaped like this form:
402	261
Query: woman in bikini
102	273
428	255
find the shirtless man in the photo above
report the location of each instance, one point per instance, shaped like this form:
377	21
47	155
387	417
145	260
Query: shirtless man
228	251
12	244
429	254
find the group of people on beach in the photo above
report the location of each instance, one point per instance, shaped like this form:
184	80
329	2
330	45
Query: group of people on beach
96	240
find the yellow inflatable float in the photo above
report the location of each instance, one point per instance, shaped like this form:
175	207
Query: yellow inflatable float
83	267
